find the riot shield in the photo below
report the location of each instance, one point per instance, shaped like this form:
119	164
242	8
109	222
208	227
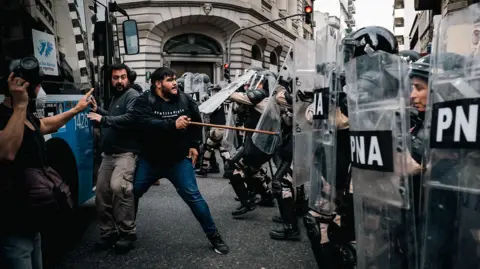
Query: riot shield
213	103
378	94
199	89
188	81
303	110
451	225
324	134
229	141
271	119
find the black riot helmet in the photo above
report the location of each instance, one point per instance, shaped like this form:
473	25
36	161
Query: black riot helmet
370	37
410	56
421	68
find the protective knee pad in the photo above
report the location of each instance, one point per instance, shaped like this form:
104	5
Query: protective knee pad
238	184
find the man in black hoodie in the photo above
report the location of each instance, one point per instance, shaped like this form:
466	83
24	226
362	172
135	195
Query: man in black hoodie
114	199
168	149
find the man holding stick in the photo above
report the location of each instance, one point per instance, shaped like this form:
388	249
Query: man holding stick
169	150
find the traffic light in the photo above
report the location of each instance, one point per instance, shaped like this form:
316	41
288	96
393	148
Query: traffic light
226	71
308	14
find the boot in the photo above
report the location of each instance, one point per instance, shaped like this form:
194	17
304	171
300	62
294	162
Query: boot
214	169
201	172
125	243
287	232
244	208
278	219
247	203
267	200
106	242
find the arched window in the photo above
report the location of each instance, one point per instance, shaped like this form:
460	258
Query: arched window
192	44
256	53
273	58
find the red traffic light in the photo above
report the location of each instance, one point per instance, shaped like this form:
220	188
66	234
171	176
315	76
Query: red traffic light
226	66
308	9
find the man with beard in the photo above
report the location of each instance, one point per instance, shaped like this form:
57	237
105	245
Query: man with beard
169	150
114	199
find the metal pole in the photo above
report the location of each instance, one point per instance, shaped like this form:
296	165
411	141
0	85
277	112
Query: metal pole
229	45
107	59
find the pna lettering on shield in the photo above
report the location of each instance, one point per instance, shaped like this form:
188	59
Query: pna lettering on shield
455	124
372	150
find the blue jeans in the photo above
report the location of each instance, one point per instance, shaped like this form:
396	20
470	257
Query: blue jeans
182	176
21	251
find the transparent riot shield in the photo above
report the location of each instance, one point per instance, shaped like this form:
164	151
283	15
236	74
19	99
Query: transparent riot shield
304	107
378	95
324	125
451	225
229	141
199	89
271	119
188	83
215	101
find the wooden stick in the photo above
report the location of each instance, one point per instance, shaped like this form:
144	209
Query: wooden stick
233	128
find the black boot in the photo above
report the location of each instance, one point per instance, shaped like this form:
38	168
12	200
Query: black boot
287	232
125	243
106	242
246	202
267	200
278	219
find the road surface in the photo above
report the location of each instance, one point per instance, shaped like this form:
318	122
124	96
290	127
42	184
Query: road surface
170	237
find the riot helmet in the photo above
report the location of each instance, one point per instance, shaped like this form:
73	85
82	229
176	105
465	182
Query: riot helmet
410	56
203	77
186	74
421	68
369	38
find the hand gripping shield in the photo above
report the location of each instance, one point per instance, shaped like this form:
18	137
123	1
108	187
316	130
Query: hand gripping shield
215	101
324	124
378	94
451	236
271	119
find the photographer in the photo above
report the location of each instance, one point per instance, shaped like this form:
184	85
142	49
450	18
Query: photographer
23	168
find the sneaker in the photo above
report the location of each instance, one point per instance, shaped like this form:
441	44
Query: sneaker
217	243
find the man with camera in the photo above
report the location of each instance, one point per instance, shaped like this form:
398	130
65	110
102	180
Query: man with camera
23	167
114	199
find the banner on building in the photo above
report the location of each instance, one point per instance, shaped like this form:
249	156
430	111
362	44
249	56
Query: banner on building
45	52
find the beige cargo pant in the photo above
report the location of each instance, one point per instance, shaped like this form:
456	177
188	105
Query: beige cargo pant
114	200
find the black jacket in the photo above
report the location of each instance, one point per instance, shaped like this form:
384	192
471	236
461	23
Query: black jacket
160	141
116	136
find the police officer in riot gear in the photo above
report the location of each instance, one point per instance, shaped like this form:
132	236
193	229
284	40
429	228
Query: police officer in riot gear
214	141
282	180
377	77
249	160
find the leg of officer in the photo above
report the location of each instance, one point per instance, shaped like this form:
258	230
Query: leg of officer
103	202
182	176
123	200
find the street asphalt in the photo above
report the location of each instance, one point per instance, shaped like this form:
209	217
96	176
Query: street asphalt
170	237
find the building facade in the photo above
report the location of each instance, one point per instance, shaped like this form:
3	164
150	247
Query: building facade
404	16
192	36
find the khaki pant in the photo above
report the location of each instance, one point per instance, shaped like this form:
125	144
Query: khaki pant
114	200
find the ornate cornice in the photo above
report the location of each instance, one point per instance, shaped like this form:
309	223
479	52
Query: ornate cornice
233	7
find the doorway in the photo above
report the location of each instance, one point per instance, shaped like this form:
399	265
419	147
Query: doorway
194	67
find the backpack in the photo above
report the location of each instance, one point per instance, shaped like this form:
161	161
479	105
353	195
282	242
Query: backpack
41	191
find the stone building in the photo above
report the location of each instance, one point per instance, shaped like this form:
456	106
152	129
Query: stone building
193	35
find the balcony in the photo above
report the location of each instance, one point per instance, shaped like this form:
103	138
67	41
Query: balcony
350	22
334	21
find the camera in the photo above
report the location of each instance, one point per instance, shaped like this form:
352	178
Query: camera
27	68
